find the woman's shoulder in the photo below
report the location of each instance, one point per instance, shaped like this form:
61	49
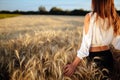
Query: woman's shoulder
89	19
86	22
89	16
91	13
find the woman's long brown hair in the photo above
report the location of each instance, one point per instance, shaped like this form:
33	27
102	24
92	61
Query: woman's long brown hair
106	9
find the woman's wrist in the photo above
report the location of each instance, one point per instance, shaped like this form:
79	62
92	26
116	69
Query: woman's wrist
76	62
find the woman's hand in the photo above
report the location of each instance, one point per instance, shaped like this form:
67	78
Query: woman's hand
69	69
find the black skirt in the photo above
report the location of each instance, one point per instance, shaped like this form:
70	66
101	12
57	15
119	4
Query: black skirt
102	59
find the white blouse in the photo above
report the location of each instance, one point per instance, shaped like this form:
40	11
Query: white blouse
97	36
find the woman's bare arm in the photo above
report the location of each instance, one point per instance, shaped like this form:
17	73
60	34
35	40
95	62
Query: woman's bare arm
70	68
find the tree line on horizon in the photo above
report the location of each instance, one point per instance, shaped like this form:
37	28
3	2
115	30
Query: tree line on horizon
53	11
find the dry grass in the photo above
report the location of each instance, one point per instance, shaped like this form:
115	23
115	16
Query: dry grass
41	53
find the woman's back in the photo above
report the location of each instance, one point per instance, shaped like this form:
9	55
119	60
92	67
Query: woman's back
101	34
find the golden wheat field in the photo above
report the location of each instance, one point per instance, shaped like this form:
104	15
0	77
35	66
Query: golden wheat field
37	47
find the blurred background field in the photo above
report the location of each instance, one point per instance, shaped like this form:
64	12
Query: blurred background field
36	47
3	15
13	27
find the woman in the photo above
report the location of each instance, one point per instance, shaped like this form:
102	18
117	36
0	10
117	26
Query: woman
101	28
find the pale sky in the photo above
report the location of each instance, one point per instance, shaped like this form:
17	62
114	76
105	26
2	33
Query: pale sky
32	5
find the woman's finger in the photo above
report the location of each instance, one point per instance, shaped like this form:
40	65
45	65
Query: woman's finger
69	73
66	70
